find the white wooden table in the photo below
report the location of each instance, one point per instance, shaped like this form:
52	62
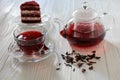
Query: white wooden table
108	68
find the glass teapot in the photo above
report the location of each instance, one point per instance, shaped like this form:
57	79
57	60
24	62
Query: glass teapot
85	28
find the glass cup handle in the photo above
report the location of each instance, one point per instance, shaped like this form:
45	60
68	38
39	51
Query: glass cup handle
45	17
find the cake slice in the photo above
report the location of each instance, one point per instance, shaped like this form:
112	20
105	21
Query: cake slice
30	12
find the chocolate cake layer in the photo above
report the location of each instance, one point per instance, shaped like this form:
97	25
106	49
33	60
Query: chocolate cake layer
30	8
30	21
30	15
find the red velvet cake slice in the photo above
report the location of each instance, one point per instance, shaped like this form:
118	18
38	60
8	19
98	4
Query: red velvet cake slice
30	12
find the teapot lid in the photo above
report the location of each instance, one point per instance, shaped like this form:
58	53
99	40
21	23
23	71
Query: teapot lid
84	14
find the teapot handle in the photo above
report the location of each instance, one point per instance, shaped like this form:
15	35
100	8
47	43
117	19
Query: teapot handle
107	21
59	22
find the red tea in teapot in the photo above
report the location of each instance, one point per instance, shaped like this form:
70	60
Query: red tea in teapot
82	36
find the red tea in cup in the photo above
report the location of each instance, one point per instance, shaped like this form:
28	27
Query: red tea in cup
30	42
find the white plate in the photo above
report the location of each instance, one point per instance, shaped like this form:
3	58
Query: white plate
16	53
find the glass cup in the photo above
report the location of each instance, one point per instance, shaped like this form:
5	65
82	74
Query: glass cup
30	43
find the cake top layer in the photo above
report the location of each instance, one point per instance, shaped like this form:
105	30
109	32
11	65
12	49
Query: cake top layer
30	3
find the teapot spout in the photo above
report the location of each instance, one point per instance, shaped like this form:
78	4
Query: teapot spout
63	32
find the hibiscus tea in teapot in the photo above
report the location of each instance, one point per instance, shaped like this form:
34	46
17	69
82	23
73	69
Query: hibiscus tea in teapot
80	39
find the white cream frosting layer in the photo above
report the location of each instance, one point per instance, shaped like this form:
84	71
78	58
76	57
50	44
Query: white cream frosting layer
29	12
30	18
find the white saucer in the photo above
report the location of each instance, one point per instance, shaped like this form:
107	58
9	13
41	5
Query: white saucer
18	54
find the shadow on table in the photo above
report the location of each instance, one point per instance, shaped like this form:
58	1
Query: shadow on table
44	70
